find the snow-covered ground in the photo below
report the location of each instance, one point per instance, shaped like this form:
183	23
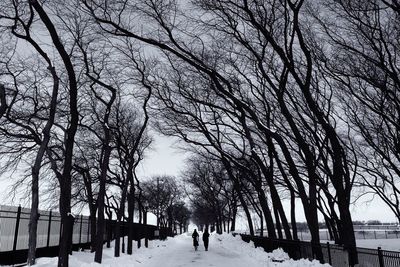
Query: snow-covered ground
224	250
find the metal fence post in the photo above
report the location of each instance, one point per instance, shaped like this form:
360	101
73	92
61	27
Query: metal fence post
329	253
71	219
60	231
80	231
108	232
146	238
123	238
380	256
88	229
49	229
300	250
16	231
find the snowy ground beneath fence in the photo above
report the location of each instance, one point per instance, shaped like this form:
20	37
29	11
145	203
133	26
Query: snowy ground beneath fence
224	250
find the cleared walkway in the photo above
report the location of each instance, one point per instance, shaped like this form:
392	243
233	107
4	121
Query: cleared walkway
179	252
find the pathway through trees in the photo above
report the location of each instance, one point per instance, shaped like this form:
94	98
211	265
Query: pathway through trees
179	252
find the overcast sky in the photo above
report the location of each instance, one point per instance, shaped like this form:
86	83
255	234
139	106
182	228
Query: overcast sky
165	157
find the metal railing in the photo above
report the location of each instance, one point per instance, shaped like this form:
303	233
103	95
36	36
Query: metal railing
333	254
358	233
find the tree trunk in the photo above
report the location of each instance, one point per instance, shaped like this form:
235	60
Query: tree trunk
278	223
34	216
65	182
117	246
100	209
276	201
100	223
66	228
3	100
267	212
347	234
43	144
233	224
120	216
328	227
106	149
311	213
101	195
293	214
217	225
131	209
247	212
283	220
33	219
93	227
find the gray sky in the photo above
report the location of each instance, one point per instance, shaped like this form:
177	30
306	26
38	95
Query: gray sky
164	158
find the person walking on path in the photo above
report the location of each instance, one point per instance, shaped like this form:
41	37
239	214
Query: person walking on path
195	237
206	236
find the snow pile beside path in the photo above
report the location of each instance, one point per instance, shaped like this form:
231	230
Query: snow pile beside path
85	258
140	257
236	243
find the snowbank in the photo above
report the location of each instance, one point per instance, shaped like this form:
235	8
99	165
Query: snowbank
264	258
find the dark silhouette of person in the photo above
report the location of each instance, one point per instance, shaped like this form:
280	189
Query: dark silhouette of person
206	236
195	237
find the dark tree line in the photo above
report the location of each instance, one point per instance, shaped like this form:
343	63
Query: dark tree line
212	197
251	78
74	119
276	99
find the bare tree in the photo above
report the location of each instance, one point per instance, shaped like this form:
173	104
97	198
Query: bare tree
160	193
363	64
21	29
284	66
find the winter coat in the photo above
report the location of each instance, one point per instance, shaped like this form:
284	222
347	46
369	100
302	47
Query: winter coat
205	239
205	236
195	237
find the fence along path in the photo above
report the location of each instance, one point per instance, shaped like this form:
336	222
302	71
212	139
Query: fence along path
333	254
14	222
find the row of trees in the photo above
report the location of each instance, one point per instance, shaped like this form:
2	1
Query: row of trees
294	98
74	120
279	99
165	199
213	199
